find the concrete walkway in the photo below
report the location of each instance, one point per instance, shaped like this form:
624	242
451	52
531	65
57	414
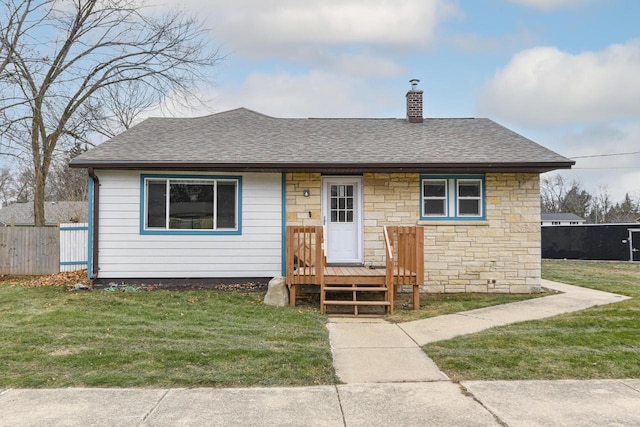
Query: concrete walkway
572	298
389	381
375	351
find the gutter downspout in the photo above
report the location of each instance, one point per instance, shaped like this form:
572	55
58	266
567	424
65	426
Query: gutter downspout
96	217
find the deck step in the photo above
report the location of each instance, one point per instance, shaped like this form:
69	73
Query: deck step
379	303
355	289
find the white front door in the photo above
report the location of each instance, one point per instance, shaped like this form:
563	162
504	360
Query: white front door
342	212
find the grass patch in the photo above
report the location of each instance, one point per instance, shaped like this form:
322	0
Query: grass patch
597	343
54	338
432	305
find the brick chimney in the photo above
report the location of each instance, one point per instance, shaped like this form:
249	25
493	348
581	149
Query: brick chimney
414	103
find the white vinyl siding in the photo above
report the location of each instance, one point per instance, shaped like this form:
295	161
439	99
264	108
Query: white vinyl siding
126	253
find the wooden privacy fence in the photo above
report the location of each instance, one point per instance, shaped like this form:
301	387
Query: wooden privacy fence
29	250
26	251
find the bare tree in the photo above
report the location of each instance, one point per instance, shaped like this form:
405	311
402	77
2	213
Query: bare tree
87	50
6	186
556	195
121	107
601	204
553	190
19	186
17	18
66	184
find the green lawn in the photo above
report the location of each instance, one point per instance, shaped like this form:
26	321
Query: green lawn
432	305
53	338
600	342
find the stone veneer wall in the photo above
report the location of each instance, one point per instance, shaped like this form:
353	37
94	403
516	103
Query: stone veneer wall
499	254
304	210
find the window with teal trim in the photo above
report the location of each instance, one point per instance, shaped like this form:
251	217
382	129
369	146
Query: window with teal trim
434	197
469	197
190	204
452	197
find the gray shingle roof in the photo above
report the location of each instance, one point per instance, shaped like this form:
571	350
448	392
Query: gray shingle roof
21	214
561	216
243	138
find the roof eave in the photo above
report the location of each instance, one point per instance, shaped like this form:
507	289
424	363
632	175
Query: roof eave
538	167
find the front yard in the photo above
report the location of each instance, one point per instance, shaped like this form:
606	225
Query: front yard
53	338
600	342
50	337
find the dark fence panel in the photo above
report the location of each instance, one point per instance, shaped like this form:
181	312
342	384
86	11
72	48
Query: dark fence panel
607	242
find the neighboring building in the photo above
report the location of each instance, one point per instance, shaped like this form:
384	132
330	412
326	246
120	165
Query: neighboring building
548	219
210	197
21	214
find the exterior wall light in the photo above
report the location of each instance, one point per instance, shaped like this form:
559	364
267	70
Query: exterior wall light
306	193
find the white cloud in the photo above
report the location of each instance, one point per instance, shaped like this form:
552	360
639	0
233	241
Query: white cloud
365	64
259	27
315	94
549	4
544	86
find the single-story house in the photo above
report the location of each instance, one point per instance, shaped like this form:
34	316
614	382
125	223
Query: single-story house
212	197
21	214
561	218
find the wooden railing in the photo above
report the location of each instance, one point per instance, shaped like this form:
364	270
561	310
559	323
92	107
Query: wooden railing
305	260
405	248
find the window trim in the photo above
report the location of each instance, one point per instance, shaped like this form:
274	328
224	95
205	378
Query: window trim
452	200
190	232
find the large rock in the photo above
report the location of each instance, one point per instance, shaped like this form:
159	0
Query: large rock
277	294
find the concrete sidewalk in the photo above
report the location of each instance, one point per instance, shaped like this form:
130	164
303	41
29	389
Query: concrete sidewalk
441	403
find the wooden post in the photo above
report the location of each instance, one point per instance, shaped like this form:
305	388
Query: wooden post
319	263
419	248
289	265
389	277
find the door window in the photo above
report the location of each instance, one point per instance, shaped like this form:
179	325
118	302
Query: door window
341	209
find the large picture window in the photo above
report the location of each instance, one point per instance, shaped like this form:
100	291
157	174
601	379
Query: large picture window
190	204
450	197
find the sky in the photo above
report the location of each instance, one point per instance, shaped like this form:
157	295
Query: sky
564	73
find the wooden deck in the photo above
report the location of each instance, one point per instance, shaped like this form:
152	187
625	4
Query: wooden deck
358	275
306	265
